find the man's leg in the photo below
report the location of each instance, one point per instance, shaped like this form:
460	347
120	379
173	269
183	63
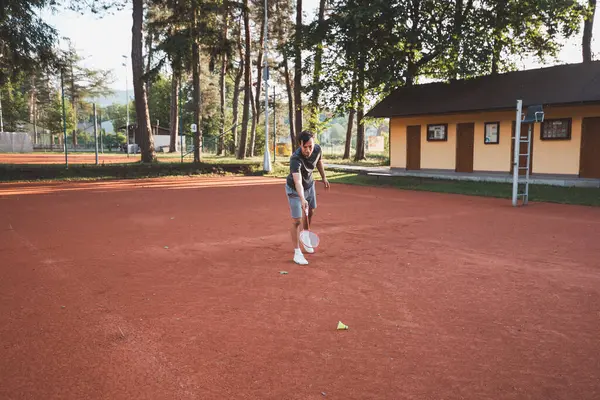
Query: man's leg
311	197
296	211
295	231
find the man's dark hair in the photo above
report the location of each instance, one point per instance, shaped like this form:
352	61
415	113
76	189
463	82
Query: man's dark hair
305	136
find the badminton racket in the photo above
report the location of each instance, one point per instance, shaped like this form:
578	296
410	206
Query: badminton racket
307	237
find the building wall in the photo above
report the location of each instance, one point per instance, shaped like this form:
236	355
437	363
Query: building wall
397	143
549	156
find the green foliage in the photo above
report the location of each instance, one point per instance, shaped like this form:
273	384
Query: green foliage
491	34
117	113
114	141
26	42
159	101
14	103
401	40
83	84
53	120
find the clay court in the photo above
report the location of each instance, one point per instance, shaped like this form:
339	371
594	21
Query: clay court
171	289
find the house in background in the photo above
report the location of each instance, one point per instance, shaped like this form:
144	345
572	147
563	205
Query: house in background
161	135
467	126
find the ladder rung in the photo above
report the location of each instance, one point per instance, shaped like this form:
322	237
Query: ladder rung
522	194
523	167
526	154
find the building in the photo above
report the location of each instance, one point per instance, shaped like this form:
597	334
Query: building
467	126
161	135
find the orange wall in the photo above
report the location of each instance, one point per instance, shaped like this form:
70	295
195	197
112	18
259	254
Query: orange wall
397	143
551	157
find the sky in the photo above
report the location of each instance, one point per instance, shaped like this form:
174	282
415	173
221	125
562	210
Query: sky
103	41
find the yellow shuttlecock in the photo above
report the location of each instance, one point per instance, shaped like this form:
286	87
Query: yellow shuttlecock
341	326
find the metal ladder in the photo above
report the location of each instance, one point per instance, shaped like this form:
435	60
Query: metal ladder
521	183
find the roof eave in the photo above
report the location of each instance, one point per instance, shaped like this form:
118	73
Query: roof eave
374	114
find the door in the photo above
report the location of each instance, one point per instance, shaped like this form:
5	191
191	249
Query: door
413	147
589	162
465	145
523	150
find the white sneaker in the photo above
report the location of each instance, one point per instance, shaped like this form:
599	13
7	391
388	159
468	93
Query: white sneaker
299	258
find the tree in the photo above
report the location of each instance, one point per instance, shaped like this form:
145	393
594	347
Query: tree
282	31
247	84
53	120
222	76
351	115
137	65
14	102
316	85
487	36
117	114
139	88
588	27
239	72
298	67
160	100
82	83
26	42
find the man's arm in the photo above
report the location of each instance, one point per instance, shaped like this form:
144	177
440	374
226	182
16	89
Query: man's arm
295	168
322	172
299	188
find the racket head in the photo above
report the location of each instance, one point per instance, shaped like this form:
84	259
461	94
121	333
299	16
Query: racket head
309	239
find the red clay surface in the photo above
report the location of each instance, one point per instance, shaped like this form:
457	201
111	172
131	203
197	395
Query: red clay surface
446	297
59	158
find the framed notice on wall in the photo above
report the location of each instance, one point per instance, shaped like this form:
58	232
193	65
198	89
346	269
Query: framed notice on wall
437	132
492	133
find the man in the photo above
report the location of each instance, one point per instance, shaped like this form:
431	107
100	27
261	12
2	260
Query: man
300	188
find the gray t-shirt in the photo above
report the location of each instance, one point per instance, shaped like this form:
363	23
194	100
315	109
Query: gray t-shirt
305	166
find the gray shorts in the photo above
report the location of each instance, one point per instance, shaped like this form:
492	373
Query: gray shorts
296	204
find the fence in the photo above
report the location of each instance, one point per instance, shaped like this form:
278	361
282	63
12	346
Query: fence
15	142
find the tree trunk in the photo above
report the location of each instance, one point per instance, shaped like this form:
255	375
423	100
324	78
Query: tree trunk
175	82
460	13
139	88
256	100
290	94
149	53
314	104
498	28
410	73
352	113
298	68
360	134
348	144
32	97
236	102
74	105
35	118
588	26
247	85
250	152
236	94
221	143
196	83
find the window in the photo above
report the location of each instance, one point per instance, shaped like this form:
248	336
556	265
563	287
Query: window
437	132
491	133
556	129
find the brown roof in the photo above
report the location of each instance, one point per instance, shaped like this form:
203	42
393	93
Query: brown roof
563	84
